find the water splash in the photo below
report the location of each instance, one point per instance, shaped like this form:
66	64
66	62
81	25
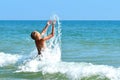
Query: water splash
53	51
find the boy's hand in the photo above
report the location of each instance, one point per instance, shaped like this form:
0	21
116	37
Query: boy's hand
49	22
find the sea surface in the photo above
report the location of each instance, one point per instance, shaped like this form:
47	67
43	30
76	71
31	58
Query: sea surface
80	50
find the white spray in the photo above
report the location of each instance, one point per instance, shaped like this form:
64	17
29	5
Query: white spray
53	51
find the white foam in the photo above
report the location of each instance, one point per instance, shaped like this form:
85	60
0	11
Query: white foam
79	70
7	59
71	69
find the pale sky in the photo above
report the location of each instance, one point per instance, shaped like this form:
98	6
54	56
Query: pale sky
65	9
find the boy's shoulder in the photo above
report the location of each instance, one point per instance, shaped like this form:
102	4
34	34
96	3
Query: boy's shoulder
42	39
39	40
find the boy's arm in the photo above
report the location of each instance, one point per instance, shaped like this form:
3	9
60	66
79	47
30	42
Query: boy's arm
46	27
50	35
38	49
39	52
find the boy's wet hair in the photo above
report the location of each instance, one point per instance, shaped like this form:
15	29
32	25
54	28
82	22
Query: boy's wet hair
33	35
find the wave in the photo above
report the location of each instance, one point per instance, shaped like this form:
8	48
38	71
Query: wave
8	59
72	70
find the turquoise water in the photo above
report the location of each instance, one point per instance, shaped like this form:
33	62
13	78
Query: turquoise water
91	41
89	50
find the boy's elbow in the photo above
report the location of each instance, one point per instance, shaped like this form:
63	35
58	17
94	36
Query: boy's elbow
52	34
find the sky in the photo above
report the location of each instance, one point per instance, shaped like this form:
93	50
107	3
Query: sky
65	9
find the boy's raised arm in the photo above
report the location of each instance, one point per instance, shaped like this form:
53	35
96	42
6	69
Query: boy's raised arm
46	27
52	33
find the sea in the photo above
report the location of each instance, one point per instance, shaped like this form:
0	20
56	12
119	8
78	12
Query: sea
79	50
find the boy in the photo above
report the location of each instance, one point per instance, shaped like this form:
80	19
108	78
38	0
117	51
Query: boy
39	41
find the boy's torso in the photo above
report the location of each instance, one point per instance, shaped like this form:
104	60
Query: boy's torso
40	44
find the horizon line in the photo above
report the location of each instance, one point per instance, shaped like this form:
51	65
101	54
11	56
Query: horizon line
61	20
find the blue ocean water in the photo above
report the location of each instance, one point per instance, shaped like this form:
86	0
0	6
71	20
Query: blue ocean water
89	50
91	41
